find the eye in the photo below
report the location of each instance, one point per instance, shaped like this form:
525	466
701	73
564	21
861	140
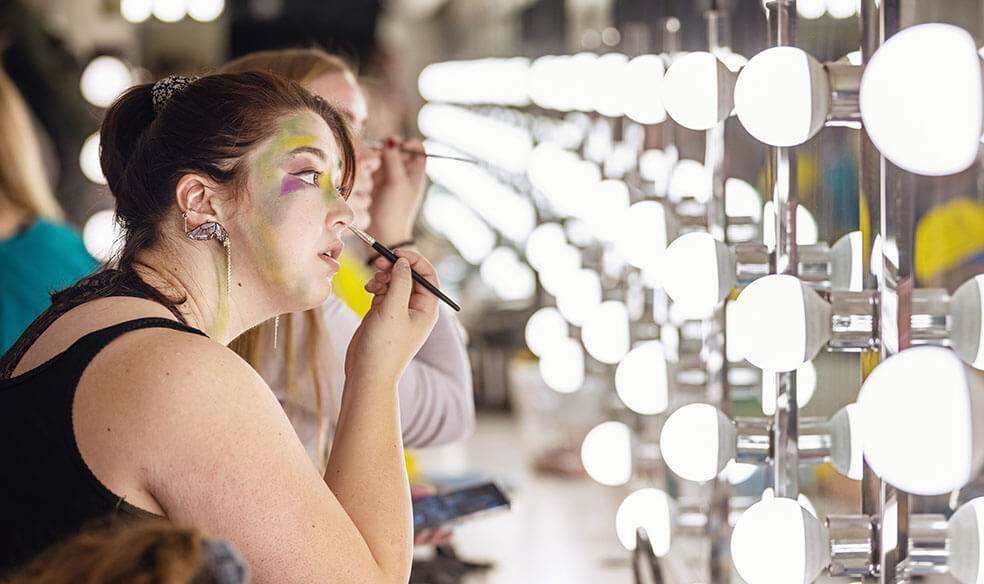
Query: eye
313	177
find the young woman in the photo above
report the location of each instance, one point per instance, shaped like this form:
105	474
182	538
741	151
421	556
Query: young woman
436	402
123	398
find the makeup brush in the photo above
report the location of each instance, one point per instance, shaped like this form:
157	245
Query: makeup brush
386	253
378	145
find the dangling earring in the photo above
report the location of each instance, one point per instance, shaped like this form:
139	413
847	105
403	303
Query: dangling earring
276	329
212	230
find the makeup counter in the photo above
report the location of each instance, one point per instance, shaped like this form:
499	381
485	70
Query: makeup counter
721	269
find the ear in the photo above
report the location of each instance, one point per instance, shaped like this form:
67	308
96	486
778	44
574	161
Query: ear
198	198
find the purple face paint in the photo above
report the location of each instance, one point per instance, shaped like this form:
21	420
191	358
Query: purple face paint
291	184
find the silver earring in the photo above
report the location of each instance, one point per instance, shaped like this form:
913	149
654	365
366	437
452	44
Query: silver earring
212	230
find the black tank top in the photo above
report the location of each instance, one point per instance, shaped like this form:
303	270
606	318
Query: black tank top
47	492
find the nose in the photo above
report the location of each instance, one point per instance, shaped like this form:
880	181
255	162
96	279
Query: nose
340	215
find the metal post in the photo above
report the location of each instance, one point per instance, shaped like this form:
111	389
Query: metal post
782	182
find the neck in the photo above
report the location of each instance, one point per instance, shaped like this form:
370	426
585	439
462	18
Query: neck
196	271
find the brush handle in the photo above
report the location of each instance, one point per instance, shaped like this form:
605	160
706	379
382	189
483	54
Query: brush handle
386	253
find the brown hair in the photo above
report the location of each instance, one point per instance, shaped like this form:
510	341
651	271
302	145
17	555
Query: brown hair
138	552
302	65
23	181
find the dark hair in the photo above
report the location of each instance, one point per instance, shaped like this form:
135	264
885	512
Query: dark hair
206	127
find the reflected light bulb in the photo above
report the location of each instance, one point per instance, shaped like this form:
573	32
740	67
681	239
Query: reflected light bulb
543	243
698	91
170	10
846	452
643	100
605	331
777	541
810	9
965	532
782	96
205	10
135	10
967	310
742	200
641	380
779	323
606	453
806	385
738	472
545	329
916	414
920	99
562	366
807	230
650	509
842	8
847	263
582	293
697	442
642	239
698	271
690	178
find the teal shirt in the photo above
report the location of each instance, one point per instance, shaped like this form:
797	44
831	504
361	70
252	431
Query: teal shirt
44	258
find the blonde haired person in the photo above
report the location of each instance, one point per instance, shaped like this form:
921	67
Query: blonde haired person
39	253
436	402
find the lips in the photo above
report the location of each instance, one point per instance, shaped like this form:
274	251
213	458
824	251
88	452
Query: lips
331	254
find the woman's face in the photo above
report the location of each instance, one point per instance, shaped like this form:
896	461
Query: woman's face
294	216
341	91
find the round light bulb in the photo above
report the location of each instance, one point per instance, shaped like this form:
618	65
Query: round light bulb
170	10
641	380
698	271
643	100
738	472
698	91
582	293
916	414
135	10
545	329
846	451
205	10
806	385
607	454
101	235
842	8
967	334
921	101
650	509
103	79
965	532
697	442
810	9
807	230
779	323
605	331
777	541
89	160
742	200
562	366
690	178
782	96
847	263
642	240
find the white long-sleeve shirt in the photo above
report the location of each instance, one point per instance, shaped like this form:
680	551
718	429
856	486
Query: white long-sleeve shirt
436	401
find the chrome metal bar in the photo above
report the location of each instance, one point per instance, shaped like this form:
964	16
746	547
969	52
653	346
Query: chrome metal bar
782	183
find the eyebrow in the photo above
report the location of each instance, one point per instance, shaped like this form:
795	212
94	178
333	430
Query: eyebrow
311	150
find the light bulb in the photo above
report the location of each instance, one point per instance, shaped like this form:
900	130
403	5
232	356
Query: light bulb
641	380
562	366
806	226
779	323
644	95
782	96
103	79
698	271
738	472
89	160
803	500
606	220
847	263
846	452
697	441
582	293
544	241
916	414
777	541
810	9
698	91
101	235
606	453
806	385
605	331
205	10
650	509
642	239
498	81
690	178
742	200
610	84
842	8
965	532
545	329
921	101
966	334
170	10
135	10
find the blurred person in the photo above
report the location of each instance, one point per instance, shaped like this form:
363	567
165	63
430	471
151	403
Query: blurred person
137	552
436	402
122	398
39	252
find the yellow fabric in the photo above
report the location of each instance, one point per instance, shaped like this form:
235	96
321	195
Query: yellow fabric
349	284
948	235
